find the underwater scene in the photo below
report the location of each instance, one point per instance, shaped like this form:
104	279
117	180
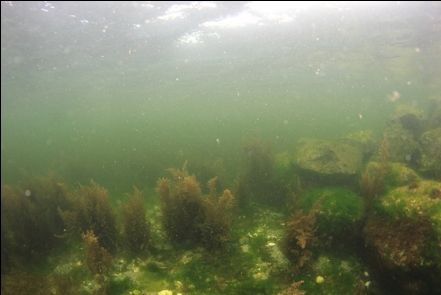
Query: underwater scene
203	148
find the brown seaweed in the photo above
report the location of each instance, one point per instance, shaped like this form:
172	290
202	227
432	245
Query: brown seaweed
188	216
30	220
91	210
135	225
98	261
299	236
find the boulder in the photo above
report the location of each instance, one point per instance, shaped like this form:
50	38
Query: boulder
429	158
410	118
401	143
435	113
403	237
398	174
363	140
326	160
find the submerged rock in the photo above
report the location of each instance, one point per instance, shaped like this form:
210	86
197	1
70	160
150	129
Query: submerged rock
401	143
430	151
398	174
363	140
435	117
403	236
340	213
328	160
410	118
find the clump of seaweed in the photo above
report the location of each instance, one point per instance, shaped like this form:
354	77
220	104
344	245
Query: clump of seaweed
98	259
188	216
91	210
299	236
135	225
218	217
182	206
30	220
372	181
17	228
48	194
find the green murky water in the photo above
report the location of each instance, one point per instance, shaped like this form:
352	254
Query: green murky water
119	92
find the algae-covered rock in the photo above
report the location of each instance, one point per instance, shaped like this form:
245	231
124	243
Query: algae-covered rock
421	199
340	209
403	236
401	175
430	151
410	118
398	174
363	140
435	117
406	229
327	160
401	143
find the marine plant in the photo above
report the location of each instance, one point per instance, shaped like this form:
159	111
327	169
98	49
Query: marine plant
17	228
91	210
136	227
48	193
299	236
98	259
188	216
30	220
181	205
218	218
